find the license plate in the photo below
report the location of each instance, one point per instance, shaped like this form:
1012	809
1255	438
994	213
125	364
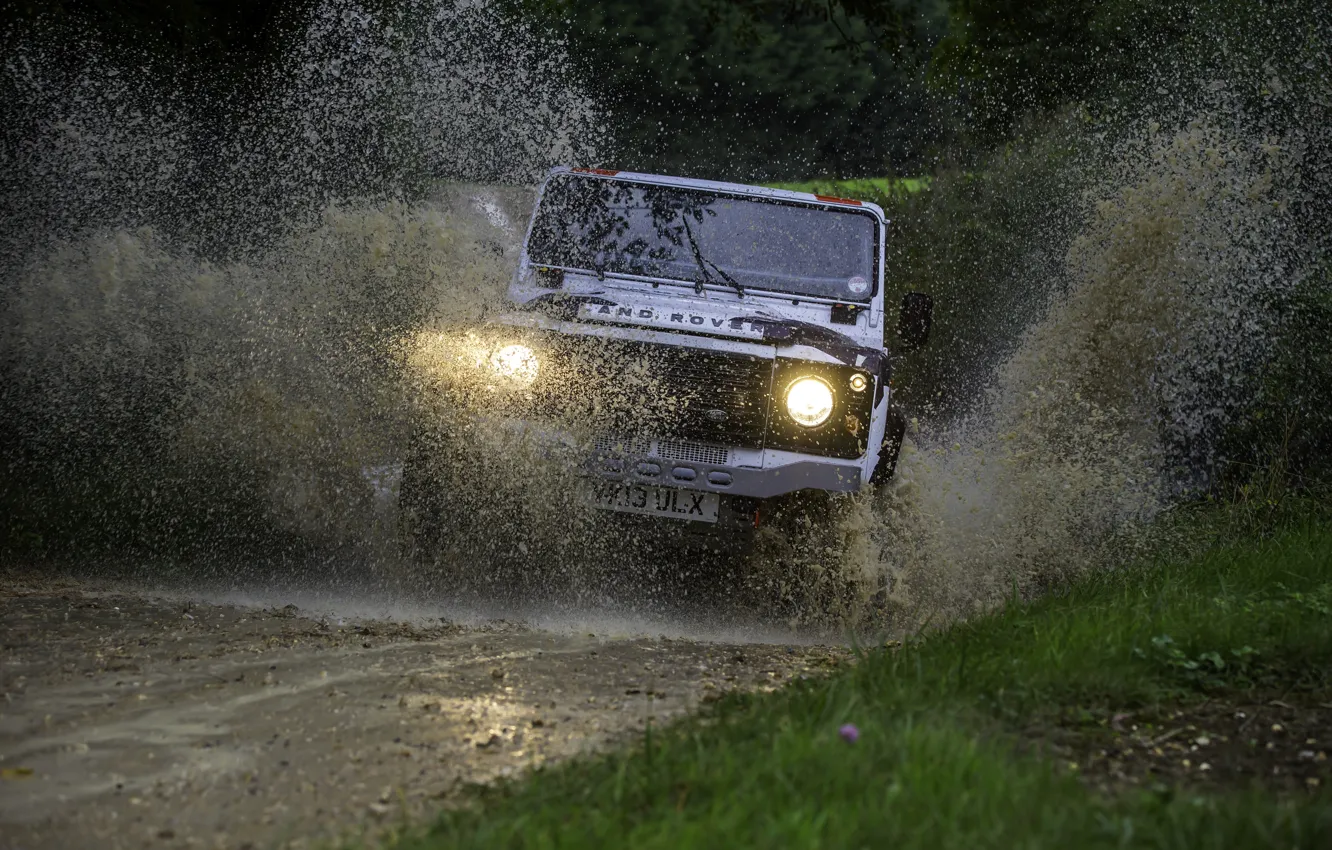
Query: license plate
664	502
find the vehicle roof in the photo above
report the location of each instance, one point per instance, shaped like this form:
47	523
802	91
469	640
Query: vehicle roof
720	186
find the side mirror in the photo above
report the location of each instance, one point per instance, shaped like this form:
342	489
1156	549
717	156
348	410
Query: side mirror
913	325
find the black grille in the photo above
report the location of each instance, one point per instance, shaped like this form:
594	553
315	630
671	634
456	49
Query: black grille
621	446
663	391
696	452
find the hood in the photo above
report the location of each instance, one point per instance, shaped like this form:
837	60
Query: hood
709	317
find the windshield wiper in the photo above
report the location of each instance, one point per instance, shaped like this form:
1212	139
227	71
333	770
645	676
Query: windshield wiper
726	277
704	263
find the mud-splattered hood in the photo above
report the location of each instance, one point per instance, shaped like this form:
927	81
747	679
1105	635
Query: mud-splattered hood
787	332
775	321
734	321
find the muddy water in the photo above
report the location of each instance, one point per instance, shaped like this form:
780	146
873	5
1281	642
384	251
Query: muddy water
132	720
1114	402
201	326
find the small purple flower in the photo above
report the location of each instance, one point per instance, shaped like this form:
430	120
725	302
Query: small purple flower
849	733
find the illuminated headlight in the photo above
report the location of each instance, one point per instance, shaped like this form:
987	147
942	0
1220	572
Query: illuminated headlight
515	361
809	401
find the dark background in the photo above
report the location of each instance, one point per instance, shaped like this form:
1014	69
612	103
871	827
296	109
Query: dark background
739	89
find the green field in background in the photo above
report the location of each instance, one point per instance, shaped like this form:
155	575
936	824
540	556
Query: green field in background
879	190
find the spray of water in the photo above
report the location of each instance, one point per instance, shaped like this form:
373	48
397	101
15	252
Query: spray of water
220	326
1115	401
206	306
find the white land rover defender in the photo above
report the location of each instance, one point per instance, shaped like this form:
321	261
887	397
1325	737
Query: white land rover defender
716	346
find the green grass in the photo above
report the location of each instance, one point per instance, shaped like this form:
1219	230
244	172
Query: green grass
884	191
939	761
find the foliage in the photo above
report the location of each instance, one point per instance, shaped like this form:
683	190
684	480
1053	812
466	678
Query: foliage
882	24
1287	434
887	192
988	244
217	43
1007	58
933	763
1010	58
1206	669
750	92
1059	87
760	89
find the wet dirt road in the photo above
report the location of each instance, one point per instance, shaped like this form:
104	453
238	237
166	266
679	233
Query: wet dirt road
131	720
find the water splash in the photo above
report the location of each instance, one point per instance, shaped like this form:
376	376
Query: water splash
1116	400
368	104
205	303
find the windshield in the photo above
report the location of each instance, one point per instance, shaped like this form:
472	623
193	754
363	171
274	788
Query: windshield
700	236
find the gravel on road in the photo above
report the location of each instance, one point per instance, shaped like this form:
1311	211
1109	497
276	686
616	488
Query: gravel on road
130	719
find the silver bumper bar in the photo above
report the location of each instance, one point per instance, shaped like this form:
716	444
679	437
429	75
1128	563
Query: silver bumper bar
734	480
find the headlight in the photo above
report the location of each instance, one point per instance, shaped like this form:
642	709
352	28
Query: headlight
515	361
809	401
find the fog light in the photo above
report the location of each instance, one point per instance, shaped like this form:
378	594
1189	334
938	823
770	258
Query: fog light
516	361
809	401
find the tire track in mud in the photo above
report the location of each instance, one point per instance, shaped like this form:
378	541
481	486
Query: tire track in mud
137	720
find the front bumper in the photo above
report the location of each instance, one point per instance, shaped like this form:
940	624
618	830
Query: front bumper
759	474
684	465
